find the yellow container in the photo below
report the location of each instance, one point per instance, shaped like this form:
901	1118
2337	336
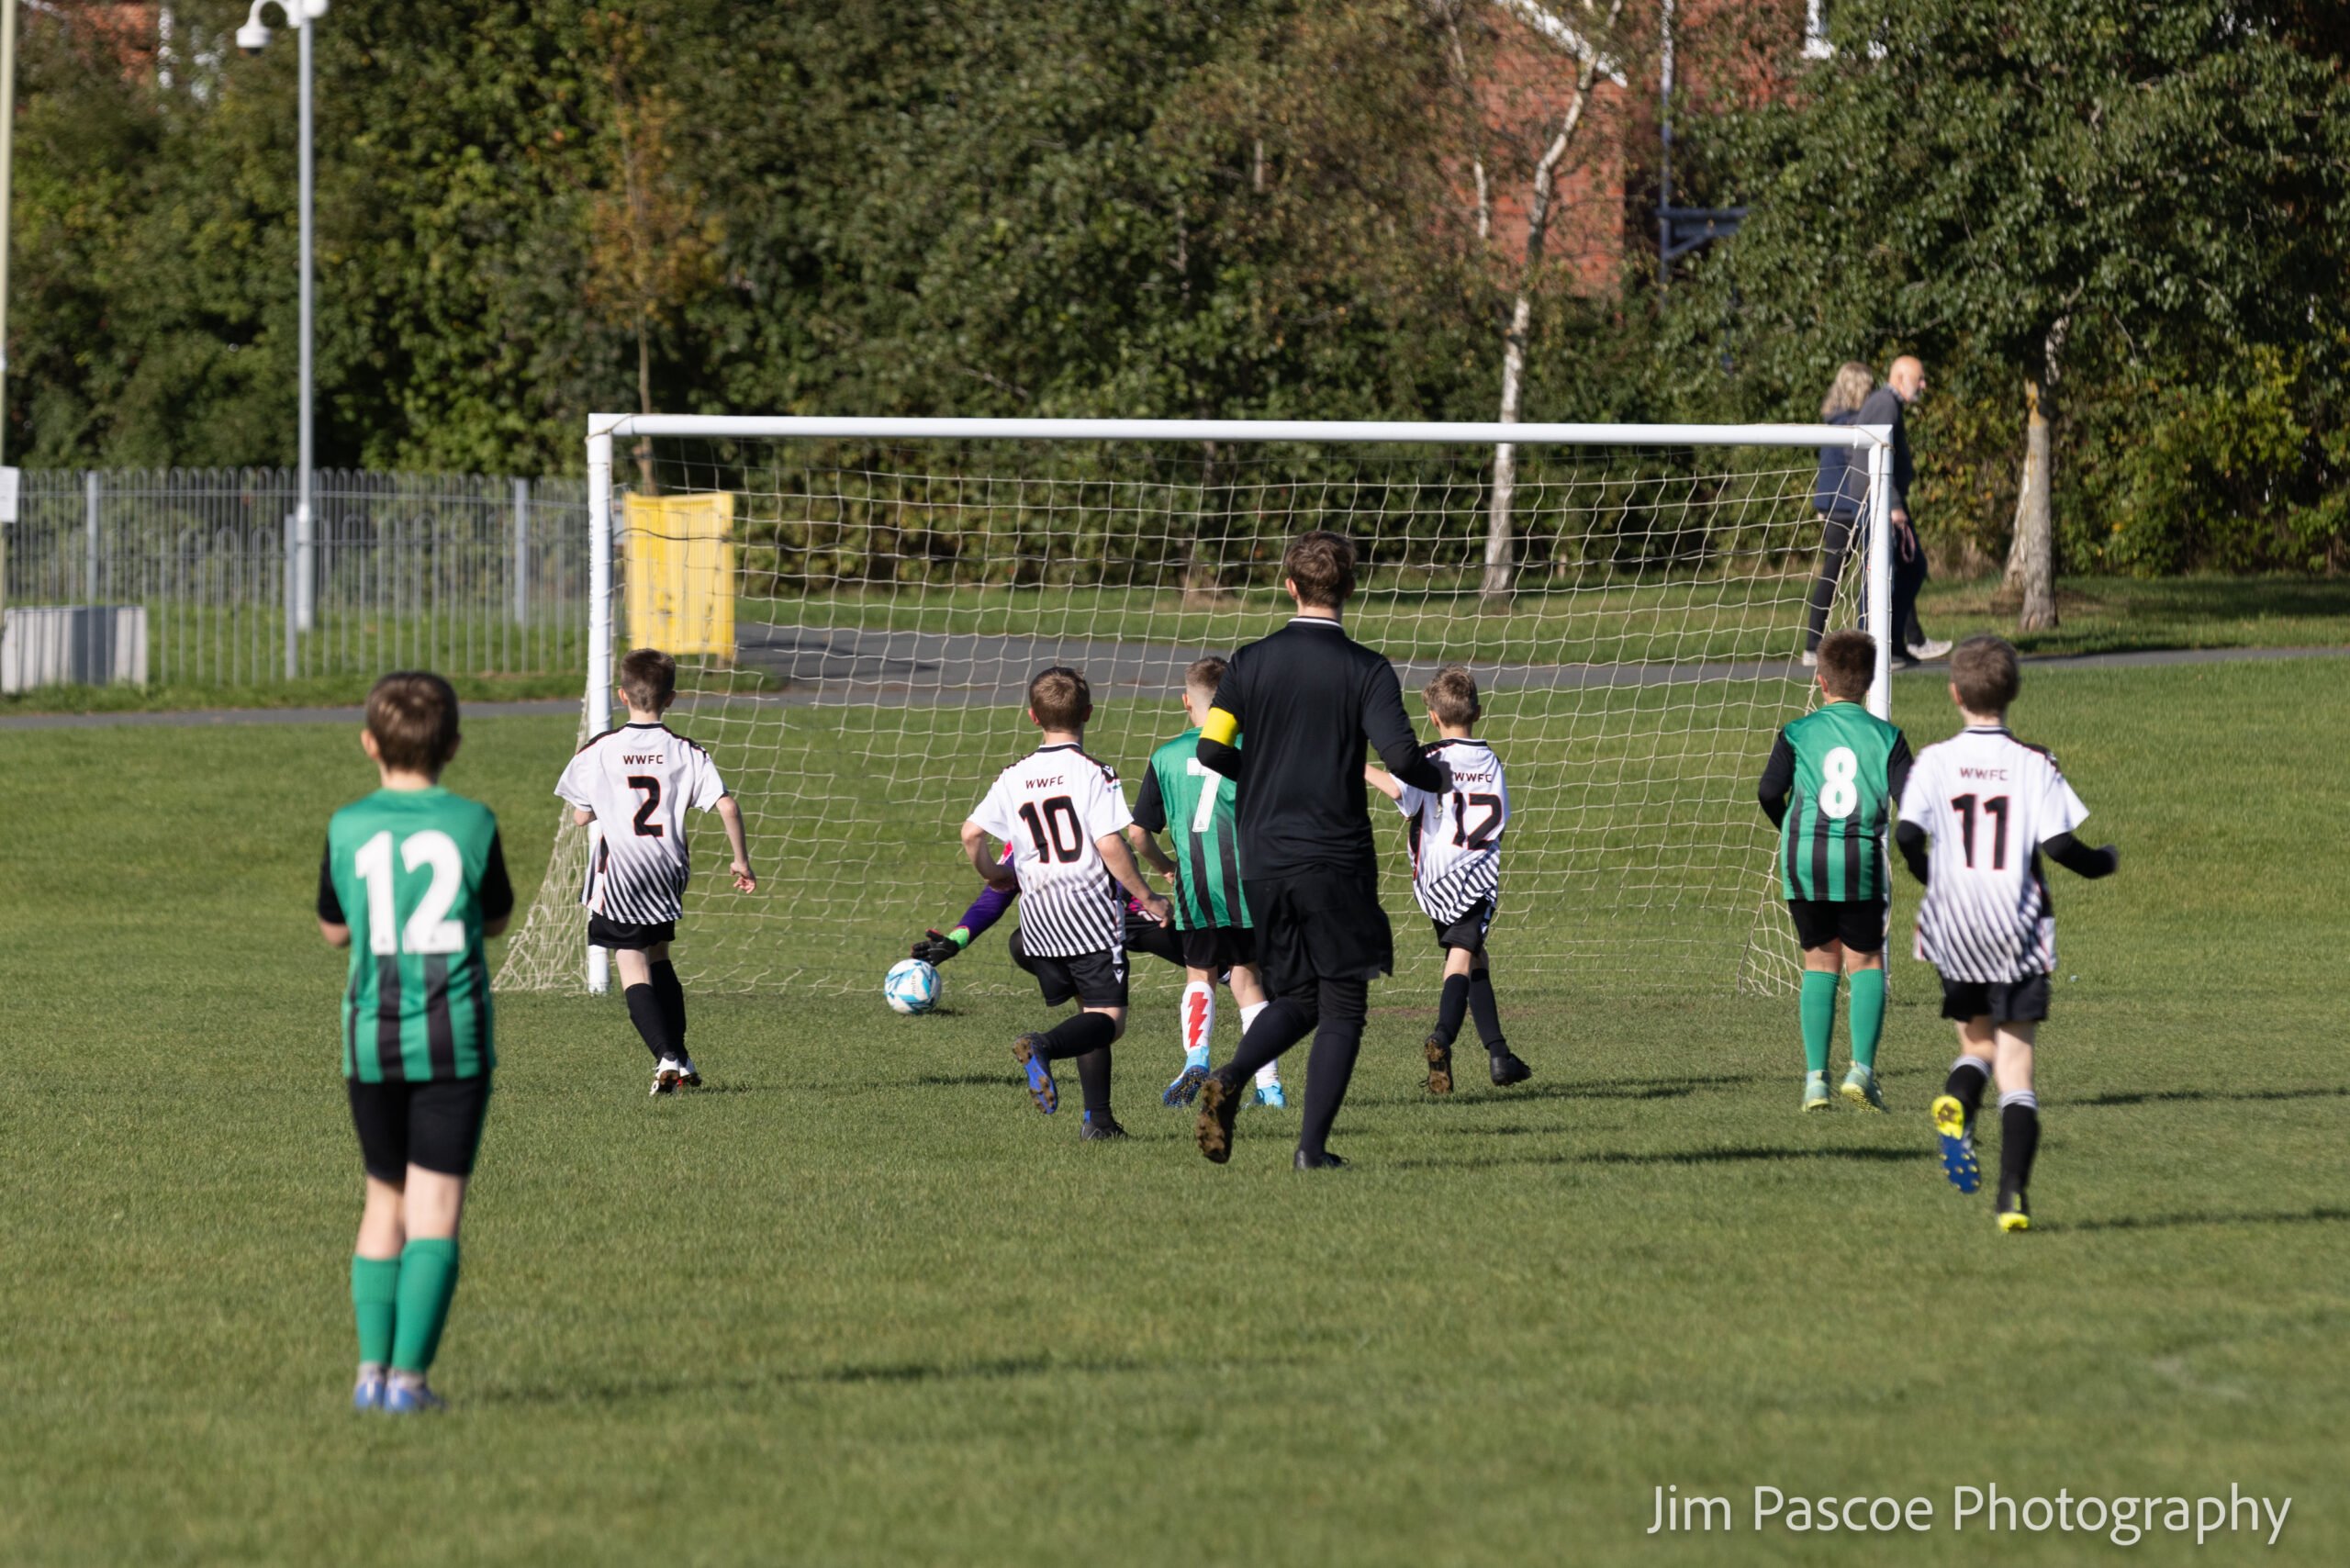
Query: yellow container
679	557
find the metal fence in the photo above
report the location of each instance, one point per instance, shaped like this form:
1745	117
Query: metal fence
460	572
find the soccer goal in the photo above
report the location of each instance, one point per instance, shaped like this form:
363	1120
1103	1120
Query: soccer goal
856	606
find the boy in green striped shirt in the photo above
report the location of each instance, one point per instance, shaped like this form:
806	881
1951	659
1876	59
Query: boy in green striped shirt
412	880
1830	787
1195	805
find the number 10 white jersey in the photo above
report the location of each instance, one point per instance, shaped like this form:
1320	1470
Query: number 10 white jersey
639	780
1049	807
1989	801
1457	832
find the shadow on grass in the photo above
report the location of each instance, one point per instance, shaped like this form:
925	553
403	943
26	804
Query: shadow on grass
627	1390
2154	1096
1680	1157
1474	1094
2170	1222
963	1080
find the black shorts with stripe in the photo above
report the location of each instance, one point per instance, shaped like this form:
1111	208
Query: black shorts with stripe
435	1125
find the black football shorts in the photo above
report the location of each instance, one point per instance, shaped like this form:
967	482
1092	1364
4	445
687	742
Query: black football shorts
1093	980
1217	948
435	1124
2003	1002
1859	924
1319	926
1469	931
622	936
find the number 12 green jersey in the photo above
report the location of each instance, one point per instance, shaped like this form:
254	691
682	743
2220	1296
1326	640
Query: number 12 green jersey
1193	805
1830	785
415	873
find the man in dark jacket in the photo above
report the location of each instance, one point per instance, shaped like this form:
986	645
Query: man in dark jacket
1904	380
1305	700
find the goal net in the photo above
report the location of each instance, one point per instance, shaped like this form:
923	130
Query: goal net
856	607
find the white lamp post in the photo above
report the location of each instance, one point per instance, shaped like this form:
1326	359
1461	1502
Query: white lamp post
253	38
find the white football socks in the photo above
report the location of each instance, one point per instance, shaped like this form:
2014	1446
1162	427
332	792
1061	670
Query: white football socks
1197	1017
1269	1075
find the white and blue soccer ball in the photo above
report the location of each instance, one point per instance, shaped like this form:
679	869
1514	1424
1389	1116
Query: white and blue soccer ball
912	986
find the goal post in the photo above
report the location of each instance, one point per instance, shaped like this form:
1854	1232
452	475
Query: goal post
889	585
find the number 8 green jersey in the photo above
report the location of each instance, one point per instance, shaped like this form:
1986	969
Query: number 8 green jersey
1193	806
415	873
1830	785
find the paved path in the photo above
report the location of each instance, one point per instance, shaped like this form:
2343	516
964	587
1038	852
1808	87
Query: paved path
821	666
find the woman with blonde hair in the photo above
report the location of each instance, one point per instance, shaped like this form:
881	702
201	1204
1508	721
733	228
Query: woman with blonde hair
1836	495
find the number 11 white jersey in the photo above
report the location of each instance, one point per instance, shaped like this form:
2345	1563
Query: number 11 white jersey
639	780
1989	801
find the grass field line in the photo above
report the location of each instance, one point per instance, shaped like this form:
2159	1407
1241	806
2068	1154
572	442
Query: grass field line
1500	676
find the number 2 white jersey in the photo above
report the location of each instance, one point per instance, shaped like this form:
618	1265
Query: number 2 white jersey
1989	801
1457	835
639	779
1049	807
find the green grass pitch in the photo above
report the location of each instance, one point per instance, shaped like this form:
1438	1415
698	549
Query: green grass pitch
856	1302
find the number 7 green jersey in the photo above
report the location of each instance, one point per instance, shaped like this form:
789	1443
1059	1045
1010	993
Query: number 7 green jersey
1837	770
414	874
1194	806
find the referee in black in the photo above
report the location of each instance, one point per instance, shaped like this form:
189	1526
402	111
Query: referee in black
1303	703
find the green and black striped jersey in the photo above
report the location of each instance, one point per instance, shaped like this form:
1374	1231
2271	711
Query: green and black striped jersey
1193	805
415	873
1830	787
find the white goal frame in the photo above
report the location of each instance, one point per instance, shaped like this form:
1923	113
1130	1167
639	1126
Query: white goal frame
1874	441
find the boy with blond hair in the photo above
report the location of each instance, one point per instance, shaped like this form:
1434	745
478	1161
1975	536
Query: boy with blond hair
1192	804
1456	842
1991	806
1065	816
413	878
633	786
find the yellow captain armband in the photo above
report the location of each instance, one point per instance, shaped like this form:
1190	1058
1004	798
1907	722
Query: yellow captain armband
1220	728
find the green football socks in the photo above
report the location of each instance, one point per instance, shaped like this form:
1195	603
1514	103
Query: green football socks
428	1279
1868	1016
375	1299
1820	1016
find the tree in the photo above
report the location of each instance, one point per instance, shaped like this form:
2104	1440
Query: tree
2035	184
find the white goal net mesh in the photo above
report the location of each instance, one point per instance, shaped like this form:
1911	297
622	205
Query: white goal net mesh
857	620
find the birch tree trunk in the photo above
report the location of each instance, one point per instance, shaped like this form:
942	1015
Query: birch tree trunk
1501	567
2033	557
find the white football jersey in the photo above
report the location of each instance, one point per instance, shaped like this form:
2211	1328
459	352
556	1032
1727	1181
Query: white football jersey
1989	801
1457	832
639	779
1049	807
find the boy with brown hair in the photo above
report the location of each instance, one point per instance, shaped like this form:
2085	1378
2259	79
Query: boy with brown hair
633	786
1828	787
413	878
1992	806
1456	841
1064	817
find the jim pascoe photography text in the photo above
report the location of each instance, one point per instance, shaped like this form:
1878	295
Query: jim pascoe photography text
2124	1521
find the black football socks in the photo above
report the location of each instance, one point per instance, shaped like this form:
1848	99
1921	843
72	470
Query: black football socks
652	1020
1337	1040
673	1003
1075	1035
1094	1076
1969	1075
1452	1008
2019	1142
1281	1024
1486	1010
